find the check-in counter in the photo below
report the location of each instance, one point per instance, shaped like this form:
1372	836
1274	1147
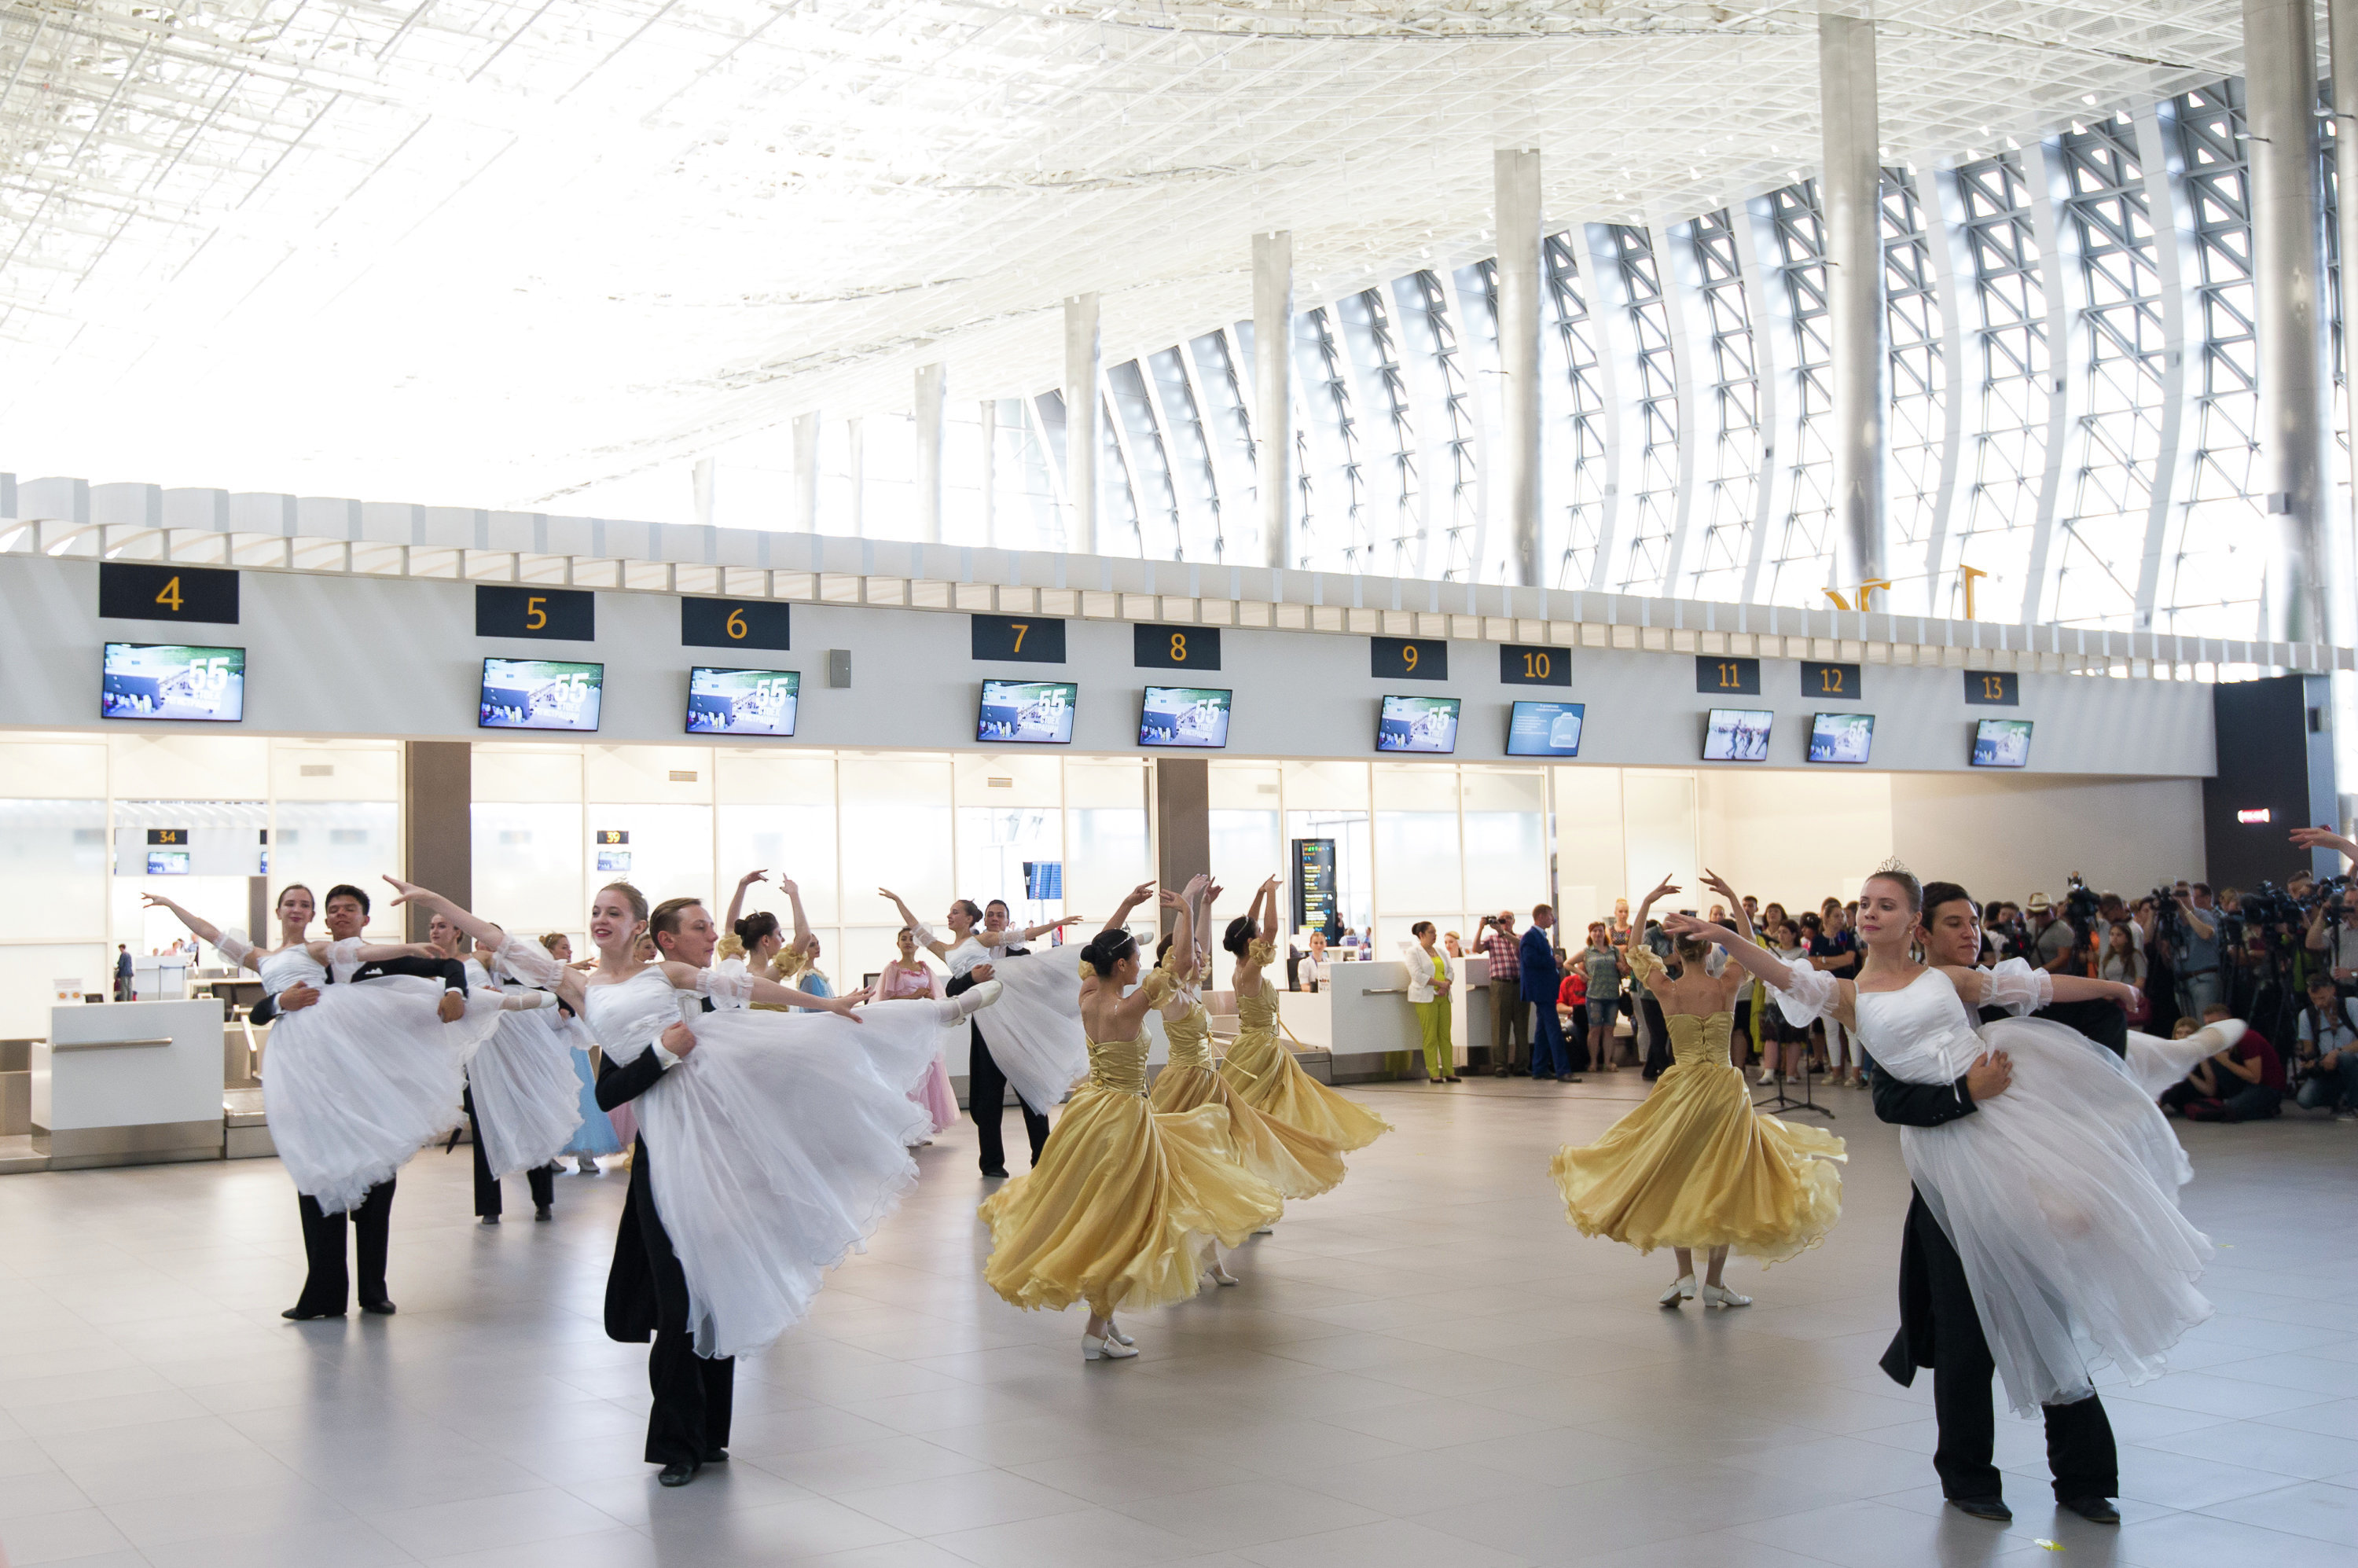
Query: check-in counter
131	1083
1361	1018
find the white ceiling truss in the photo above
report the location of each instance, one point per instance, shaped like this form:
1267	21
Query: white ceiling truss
513	248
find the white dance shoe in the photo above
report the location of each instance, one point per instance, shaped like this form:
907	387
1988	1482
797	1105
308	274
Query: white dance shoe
1109	1349
2223	1035
1221	1275
1682	1290
1114	1333
965	1004
1721	1296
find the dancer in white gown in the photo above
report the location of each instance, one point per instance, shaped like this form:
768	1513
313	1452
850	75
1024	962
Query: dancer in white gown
2061	1194
1035	1032
353	1083
782	1142
522	1097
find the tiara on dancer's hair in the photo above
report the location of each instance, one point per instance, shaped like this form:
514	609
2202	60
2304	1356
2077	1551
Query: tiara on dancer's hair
1893	866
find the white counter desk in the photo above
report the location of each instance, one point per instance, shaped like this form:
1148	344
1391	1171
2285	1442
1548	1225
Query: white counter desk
129	1083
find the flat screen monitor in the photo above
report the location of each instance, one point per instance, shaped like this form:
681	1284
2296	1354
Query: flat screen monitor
741	702
167	862
1545	728
1842	737
1190	716
2002	744
172	680
1418	724
1029	712
540	693
1737	735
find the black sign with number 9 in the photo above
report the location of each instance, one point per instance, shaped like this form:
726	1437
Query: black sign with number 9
1175	647
1533	666
1723	676
735	623
1993	689
1408	658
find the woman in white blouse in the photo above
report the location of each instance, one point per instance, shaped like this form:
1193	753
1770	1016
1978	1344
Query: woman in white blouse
1311	975
1430	975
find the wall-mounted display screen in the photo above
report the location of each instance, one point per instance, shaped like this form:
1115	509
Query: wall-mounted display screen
1032	712
614	862
1737	735
2002	744
171	680
1184	716
1840	737
1545	728
1418	724
167	862
741	702
540	693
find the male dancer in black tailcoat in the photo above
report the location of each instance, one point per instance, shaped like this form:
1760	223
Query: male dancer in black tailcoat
986	1085
1939	1325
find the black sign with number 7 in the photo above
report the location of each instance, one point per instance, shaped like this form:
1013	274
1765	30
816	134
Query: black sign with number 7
1018	639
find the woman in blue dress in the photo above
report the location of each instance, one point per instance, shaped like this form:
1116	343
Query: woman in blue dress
595	1137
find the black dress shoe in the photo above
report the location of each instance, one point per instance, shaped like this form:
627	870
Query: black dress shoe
1990	1508
717	1456
679	1474
296	1315
542	1213
2095	1511
997	1171
381	1309
489	1219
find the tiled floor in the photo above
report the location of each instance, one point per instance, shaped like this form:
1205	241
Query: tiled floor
1425	1367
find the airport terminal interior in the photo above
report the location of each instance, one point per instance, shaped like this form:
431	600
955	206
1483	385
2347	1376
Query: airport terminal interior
1588	759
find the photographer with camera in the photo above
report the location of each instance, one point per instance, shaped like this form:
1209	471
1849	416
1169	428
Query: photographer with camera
2195	956
2330	933
2325	1050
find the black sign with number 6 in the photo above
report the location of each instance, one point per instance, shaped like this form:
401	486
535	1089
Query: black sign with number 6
550	614
1175	647
735	623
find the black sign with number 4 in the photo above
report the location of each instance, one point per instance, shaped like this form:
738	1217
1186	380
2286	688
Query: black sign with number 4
1175	647
132	590
1723	676
735	623
1533	666
1021	639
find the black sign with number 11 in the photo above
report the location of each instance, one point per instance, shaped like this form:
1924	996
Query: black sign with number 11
1723	676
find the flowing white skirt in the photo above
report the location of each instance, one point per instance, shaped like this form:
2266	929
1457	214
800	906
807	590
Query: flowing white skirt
778	1146
2061	1197
528	1099
1034	1030
361	1079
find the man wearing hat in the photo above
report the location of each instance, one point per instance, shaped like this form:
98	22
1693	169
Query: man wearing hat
2053	942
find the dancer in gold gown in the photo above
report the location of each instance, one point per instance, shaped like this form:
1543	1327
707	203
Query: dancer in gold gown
1298	1164
1259	1066
1124	1204
1696	1166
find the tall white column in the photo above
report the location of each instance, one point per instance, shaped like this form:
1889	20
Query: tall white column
854	435
2288	312
708	489
806	473
1274	394
929	454
990	473
2342	614
1859	331
1084	425
1517	177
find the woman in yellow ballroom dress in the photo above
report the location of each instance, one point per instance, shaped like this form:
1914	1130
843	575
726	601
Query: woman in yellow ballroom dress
1259	1066
1696	1166
1123	1207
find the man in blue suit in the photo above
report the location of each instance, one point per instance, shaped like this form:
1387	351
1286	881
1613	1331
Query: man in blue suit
1550	1057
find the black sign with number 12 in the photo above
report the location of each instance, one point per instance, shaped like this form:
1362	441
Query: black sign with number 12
1837	681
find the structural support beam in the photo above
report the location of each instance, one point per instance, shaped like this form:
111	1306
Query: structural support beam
1516	174
1857	326
929	454
2342	608
1274	394
2288	315
1182	824
990	473
438	845
806	473
1084	421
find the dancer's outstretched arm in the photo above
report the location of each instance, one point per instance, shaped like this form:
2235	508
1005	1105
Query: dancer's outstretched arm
1741	949
803	938
527	959
2325	839
1245	975
736	899
925	937
205	931
1120	916
688	978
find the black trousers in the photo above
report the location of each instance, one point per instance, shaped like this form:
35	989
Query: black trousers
689	1421
2080	1452
986	1102
327	1288
542	1180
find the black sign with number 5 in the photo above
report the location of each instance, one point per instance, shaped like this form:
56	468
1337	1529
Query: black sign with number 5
550	614
1175	647
735	623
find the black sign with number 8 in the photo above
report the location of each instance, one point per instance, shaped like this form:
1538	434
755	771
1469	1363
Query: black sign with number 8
1174	647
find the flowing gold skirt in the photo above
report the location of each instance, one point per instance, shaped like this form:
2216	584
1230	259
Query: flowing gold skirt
1696	1166
1122	1208
1297	1163
1264	1073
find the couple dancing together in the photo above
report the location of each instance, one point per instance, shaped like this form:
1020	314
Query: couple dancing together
2044	1238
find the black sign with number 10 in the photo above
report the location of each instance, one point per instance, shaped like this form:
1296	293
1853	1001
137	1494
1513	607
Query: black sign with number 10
1175	647
1533	666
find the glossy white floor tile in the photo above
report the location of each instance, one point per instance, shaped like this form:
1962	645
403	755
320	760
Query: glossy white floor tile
1426	1367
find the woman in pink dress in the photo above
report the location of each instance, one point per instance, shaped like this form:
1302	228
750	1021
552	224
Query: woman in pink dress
910	976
